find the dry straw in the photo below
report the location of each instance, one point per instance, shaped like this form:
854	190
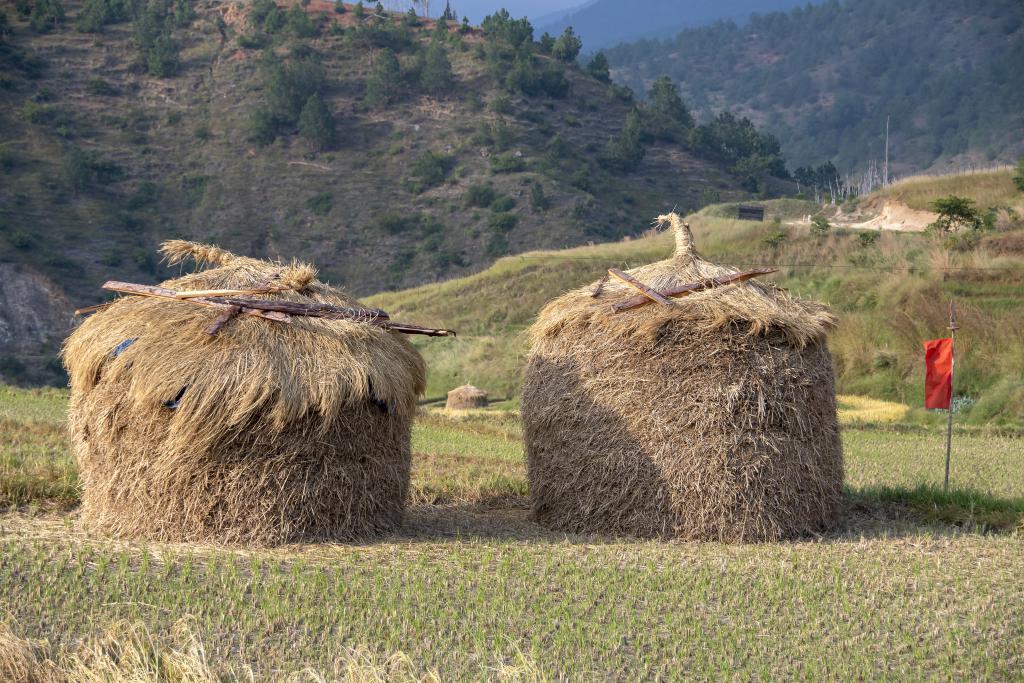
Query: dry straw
466	397
266	433
713	418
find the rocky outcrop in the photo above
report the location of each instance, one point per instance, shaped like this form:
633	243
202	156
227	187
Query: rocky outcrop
35	316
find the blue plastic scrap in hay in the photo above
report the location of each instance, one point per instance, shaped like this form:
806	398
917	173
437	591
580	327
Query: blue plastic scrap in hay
120	348
176	401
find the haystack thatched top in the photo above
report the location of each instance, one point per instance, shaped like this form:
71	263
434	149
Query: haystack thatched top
254	369
754	307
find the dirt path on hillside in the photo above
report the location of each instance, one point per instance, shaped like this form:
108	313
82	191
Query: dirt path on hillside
890	216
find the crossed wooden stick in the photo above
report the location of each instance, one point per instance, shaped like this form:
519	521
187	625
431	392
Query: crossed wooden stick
648	295
234	302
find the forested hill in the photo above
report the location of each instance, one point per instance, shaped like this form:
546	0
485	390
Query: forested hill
605	23
823	79
388	149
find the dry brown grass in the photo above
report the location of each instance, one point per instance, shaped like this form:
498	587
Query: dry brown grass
129	652
990	187
711	419
281	432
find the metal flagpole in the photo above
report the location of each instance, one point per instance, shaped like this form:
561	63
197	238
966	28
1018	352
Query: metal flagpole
952	364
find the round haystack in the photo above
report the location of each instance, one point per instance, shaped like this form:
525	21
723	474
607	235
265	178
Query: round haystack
712	419
466	397
265	433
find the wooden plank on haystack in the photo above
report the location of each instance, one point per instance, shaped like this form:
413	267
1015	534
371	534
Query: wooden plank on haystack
644	289
692	287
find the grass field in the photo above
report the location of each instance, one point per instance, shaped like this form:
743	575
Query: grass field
889	293
915	584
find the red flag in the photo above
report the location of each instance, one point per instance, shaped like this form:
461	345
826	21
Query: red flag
938	382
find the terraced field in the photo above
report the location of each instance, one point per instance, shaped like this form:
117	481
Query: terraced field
916	583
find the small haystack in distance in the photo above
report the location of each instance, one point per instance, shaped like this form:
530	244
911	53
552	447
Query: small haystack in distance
261	433
466	397
711	416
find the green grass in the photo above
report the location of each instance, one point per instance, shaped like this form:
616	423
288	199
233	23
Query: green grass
888	297
916	583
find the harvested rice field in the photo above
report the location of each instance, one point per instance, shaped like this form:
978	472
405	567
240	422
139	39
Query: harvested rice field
915	583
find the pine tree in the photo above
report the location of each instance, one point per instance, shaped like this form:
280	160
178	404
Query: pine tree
667	106
436	74
385	82
598	68
626	151
316	124
568	46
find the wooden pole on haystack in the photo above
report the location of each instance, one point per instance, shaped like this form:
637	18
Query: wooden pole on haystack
953	326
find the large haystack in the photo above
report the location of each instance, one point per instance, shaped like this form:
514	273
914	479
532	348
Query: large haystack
466	397
265	433
711	419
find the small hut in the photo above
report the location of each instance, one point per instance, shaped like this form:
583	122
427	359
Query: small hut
708	416
188	425
466	397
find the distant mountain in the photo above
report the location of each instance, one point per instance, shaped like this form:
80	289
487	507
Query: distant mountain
823	79
604	23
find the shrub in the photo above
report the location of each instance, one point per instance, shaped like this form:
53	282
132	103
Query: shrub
501	105
194	187
290	85
503	222
262	128
472	101
385	83
12	368
527	77
145	195
430	170
625	152
98	86
21	239
316	124
546	43
390	222
710	196
299	24
502	204
265	15
497	245
507	163
436	71
8	159
480	195
955	213
112	257
1018	179
46	15
95	14
867	238
598	68
320	204
775	239
85	168
538	200
252	41
162	57
820	225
